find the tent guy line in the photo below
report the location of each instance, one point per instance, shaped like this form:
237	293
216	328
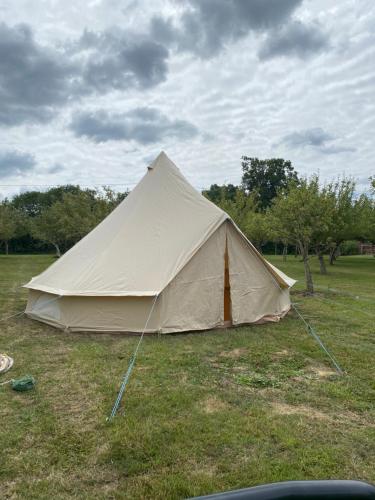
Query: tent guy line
313	333
130	367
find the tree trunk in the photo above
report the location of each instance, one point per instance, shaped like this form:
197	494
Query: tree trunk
322	265
332	257
275	248
308	275
6	247
58	253
285	252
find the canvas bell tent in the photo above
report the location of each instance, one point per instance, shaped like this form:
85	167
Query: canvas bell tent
165	258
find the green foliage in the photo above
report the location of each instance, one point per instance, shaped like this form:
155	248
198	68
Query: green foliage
344	214
364	216
217	193
69	219
302	215
266	177
12	223
349	247
32	203
59	216
243	208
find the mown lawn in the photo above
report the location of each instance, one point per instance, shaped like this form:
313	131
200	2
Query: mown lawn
204	412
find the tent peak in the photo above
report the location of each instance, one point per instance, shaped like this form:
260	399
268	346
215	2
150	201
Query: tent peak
162	160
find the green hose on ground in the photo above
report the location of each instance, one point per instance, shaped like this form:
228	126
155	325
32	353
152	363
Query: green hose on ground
21	384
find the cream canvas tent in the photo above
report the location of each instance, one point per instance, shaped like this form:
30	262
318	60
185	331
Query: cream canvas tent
165	246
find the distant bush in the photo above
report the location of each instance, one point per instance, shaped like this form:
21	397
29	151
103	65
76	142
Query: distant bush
349	247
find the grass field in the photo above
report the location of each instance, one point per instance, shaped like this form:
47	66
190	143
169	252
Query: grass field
204	412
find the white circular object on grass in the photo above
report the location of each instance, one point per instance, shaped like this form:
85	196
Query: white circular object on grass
6	363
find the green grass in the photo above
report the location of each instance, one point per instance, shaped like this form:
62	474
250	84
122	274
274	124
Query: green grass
204	412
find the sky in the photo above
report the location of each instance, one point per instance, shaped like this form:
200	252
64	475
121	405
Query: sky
92	91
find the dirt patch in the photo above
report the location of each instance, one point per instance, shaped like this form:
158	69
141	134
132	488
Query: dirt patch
322	371
280	354
183	378
213	405
341	418
234	354
306	411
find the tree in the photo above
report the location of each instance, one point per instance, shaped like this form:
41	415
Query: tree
299	215
243	209
32	203
258	228
217	193
46	227
11	224
76	214
364	215
344	220
266	177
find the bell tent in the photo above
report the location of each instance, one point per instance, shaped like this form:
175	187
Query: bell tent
165	260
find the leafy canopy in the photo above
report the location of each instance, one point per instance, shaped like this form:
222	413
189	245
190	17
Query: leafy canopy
266	177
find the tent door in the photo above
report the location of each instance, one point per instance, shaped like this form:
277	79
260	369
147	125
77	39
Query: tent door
227	300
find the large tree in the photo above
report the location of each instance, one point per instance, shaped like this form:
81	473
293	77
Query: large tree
12	224
266	177
300	214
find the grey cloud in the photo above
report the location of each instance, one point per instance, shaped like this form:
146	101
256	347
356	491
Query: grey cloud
143	125
147	61
55	169
36	80
316	138
333	149
309	137
294	39
33	79
118	63
15	163
207	25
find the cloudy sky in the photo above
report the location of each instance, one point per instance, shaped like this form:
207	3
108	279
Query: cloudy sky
91	91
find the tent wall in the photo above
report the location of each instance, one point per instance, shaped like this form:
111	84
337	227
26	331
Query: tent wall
255	294
194	300
106	314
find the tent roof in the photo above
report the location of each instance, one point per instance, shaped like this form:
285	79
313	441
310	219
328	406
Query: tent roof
143	244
